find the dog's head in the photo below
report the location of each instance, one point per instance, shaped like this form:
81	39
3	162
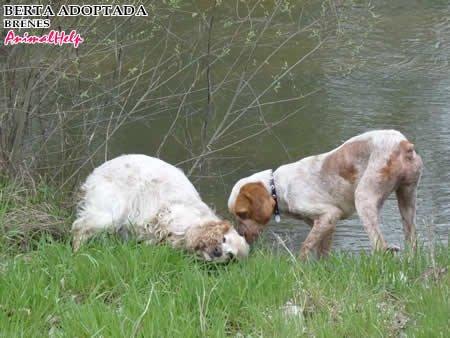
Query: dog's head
217	242
253	208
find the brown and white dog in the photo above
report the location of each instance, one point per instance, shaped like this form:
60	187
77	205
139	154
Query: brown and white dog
358	175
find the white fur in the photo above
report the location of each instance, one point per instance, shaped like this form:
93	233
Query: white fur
150	196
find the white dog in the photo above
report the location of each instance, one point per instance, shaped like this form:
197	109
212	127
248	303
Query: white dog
359	175
158	203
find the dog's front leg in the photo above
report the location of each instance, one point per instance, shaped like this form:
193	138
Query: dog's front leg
320	235
325	245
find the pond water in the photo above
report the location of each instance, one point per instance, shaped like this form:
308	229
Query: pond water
387	68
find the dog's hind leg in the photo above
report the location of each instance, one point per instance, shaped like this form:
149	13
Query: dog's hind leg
86	227
369	199
407	191
406	198
80	236
400	172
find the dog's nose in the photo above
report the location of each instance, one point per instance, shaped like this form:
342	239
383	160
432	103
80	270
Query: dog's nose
217	252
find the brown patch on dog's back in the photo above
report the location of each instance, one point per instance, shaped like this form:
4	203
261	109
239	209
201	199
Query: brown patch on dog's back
342	161
254	202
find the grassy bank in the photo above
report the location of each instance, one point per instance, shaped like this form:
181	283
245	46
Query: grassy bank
125	289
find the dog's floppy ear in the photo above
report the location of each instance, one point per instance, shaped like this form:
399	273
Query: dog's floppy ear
242	205
254	202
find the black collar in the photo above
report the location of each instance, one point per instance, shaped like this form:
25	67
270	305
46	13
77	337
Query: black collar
276	210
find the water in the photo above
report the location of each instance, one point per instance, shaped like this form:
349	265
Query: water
387	68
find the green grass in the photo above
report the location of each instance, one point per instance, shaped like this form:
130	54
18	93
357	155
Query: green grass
113	289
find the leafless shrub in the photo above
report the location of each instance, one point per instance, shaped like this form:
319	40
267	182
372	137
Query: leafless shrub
62	107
